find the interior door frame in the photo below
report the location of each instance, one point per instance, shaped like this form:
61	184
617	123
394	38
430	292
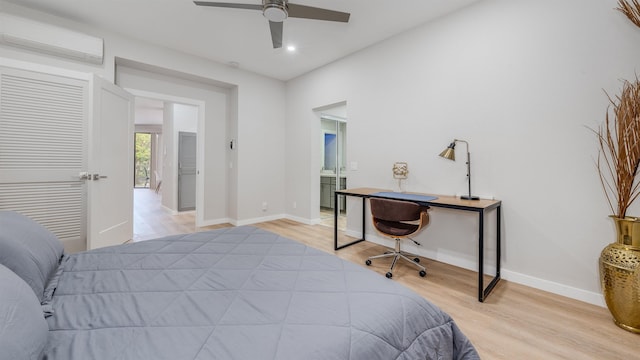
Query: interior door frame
201	171
340	147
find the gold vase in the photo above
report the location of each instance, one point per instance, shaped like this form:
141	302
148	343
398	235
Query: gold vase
620	274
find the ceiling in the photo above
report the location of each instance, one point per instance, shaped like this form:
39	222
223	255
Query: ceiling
241	37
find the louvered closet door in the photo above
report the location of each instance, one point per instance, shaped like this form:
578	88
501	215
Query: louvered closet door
43	147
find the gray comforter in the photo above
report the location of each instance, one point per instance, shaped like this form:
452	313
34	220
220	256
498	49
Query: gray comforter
238	293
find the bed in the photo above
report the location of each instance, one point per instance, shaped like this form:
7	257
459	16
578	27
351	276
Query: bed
233	293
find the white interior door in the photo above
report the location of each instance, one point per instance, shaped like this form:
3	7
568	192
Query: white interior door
187	150
43	147
110	194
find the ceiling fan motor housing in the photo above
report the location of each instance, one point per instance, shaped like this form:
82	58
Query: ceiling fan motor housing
275	10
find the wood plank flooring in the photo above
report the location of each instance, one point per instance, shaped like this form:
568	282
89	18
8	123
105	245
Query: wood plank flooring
515	321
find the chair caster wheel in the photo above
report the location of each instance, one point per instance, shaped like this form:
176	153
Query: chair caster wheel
368	262
389	275
416	260
422	273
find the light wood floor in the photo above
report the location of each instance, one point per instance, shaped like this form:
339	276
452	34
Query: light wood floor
515	321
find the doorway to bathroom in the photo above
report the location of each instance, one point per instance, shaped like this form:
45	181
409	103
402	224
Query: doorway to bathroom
333	175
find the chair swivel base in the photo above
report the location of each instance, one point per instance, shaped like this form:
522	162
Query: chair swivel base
398	255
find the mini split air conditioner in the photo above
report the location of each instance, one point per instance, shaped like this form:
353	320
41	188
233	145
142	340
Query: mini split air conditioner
49	39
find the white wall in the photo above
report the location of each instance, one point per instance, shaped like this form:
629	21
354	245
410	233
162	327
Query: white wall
185	119
261	153
520	80
179	117
169	182
215	109
259	115
147	116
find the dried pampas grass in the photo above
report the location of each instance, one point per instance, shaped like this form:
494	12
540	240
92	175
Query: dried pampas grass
632	11
619	155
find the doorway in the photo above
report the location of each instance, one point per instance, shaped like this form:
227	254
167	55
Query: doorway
332	174
165	118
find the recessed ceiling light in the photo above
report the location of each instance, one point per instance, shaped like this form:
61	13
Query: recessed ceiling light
291	48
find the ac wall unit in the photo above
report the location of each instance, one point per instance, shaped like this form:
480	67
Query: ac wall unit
49	39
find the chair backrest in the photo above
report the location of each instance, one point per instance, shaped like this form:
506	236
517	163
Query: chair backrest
397	218
395	210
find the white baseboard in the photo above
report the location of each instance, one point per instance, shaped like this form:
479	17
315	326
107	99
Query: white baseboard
242	222
355	234
216	222
469	264
554	287
506	274
258	220
170	210
302	220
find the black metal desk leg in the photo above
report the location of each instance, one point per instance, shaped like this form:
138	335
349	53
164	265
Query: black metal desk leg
335	222
498	242
336	211
364	201
481	256
485	292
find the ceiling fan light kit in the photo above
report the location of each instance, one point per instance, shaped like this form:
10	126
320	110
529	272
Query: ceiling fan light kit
276	11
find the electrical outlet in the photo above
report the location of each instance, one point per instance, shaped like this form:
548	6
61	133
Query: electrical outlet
265	206
295	204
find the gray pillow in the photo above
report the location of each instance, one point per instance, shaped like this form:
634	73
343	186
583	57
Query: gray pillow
29	250
23	329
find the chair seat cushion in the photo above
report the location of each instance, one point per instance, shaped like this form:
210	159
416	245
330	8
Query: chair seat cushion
395	228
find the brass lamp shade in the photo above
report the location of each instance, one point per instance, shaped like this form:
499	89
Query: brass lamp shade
449	152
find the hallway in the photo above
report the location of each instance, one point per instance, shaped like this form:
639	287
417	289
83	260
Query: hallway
151	220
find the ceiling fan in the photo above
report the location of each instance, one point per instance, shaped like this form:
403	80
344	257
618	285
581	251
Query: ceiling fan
276	11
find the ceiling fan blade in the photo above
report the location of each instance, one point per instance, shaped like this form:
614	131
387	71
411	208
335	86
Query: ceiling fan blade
309	12
276	34
229	5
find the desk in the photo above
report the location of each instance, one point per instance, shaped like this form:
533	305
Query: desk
444	201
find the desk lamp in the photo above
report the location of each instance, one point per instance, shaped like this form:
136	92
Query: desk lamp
449	153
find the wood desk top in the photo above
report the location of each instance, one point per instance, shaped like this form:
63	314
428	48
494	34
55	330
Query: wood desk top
443	200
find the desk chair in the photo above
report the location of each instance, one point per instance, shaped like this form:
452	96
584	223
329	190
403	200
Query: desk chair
398	220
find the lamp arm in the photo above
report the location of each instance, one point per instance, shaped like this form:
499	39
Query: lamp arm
469	171
468	164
